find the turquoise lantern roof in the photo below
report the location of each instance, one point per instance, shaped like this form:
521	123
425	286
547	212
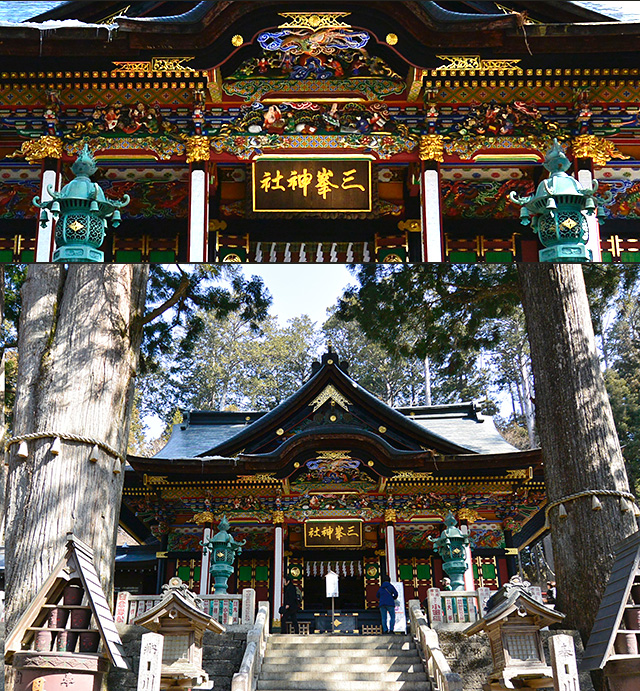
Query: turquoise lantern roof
81	211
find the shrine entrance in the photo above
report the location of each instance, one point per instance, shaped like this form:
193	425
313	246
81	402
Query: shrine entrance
350	579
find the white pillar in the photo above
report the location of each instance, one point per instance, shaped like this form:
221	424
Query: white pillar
277	574
468	574
585	178
204	565
430	215
198	213
44	235
392	569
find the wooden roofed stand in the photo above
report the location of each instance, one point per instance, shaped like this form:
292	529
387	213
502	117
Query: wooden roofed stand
42	646
615	637
182	623
513	622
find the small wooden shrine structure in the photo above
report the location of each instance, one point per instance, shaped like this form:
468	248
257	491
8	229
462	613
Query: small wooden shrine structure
296	132
615	638
67	636
333	478
512	621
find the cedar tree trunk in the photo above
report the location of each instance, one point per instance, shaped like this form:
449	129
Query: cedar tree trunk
79	341
579	443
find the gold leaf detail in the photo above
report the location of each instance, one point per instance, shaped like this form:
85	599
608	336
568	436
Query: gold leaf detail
599	149
431	148
197	148
330	393
37	149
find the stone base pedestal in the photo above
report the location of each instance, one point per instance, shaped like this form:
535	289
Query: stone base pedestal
58	671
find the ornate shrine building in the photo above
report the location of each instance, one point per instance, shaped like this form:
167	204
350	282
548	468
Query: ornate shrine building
332	477
319	131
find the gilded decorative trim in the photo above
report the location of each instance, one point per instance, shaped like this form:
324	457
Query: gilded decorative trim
161	147
154	65
204	517
330	393
390	515
36	149
431	148
458	63
600	150
470	515
197	148
467	148
313	20
278	517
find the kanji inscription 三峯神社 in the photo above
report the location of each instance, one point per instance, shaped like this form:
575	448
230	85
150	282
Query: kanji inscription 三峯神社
320	184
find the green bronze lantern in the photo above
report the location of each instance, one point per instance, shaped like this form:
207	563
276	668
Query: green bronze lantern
559	209
451	546
223	550
81	211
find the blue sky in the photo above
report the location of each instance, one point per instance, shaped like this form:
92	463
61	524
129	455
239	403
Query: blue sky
302	288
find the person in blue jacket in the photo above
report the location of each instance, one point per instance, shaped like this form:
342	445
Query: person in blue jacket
387	595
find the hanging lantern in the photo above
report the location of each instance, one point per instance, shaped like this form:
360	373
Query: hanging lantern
83	211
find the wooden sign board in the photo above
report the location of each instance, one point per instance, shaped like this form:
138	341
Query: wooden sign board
333	533
302	185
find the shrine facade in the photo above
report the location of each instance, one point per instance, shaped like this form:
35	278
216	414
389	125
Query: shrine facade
332	478
294	132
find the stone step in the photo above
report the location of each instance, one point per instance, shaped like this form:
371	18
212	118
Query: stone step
376	664
321	685
331	643
345	675
340	652
322	638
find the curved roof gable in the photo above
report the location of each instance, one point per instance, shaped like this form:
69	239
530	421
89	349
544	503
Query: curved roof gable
331	402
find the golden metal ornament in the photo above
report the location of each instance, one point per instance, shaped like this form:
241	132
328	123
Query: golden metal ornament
411	475
411	225
237	41
313	20
330	393
197	148
333	455
457	63
204	517
154	65
231	259
391	39
431	148
600	150
393	259
390	516
37	149
278	517
470	515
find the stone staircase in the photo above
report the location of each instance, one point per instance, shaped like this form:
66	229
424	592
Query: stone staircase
342	663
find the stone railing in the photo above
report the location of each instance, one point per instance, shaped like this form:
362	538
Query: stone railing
229	610
1	605
435	662
247	678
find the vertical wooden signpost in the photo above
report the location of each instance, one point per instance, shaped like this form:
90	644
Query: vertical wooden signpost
563	663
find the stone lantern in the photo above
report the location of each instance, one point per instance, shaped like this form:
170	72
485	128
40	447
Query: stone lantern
81	211
512	621
559	209
180	619
223	550
451	546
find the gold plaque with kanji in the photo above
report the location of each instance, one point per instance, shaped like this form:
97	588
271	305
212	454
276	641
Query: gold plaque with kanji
333	533
308	184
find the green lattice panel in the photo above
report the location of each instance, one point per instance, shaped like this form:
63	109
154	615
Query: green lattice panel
406	572
184	572
463	257
498	257
423	572
630	257
244	573
262	573
489	571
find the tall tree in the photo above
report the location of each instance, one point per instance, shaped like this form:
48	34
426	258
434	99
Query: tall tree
79	341
578	437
